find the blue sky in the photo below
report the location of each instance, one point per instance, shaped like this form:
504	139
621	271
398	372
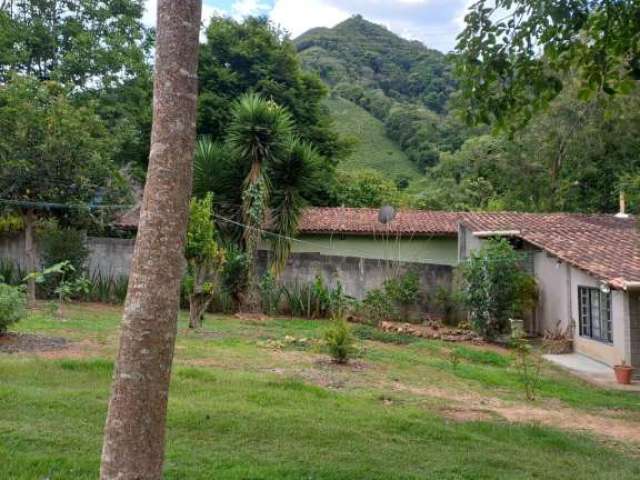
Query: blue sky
434	22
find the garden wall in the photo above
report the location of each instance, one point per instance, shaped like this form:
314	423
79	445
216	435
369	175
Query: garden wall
359	275
111	257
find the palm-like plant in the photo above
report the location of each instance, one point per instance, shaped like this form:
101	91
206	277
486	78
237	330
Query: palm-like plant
258	136
262	168
290	174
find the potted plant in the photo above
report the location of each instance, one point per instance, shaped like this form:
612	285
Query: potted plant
623	373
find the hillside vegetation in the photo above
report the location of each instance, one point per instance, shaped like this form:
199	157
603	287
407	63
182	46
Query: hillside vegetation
402	84
371	147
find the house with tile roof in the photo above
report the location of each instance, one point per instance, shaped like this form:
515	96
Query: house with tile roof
587	266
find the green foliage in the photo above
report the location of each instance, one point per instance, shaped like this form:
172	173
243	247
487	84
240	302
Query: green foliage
10	222
392	301
270	293
292	174
201	243
528	365
511	65
60	244
107	289
493	287
405	289
72	41
12	305
255	56
359	53
366	188
403	84
372	149
377	306
52	150
339	341
10	272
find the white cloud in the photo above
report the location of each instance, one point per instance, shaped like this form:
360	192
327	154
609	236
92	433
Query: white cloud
299	16
245	8
436	23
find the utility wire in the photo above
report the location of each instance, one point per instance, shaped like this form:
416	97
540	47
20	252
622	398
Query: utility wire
33	204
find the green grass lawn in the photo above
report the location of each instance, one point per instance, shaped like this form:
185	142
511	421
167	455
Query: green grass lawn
242	409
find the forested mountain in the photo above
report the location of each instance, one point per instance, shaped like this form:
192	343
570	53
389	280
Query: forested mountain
402	84
358	52
576	154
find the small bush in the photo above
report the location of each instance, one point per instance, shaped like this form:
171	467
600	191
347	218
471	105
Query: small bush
377	306
12	305
496	288
339	341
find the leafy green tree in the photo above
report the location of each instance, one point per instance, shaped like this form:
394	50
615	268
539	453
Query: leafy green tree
494	285
366	189
52	153
86	43
100	48
515	56
255	56
291	175
204	258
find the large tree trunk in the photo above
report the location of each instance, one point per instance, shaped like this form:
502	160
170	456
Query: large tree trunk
29	220
134	434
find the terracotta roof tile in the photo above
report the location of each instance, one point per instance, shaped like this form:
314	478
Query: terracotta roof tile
602	245
605	246
364	221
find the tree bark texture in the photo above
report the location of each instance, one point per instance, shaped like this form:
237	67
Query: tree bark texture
29	220
133	445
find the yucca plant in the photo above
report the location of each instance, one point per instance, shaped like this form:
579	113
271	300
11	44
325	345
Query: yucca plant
258	136
290	173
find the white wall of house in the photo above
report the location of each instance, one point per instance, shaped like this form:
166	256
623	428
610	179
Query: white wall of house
558	305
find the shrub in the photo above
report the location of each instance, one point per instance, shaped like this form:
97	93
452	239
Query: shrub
270	293
12	305
495	287
377	306
404	292
59	245
339	341
392	302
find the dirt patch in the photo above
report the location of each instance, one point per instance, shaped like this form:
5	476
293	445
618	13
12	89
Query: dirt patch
551	414
25	342
75	350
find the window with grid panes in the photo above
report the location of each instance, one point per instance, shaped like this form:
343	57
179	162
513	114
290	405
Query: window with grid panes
595	314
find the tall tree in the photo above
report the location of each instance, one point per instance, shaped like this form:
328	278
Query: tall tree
89	44
55	157
134	434
255	56
516	55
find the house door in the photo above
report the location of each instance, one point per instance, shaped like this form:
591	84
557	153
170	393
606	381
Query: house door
634	330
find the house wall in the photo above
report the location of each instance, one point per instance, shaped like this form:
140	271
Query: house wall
634	331
558	284
427	250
